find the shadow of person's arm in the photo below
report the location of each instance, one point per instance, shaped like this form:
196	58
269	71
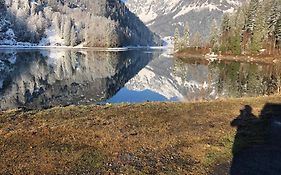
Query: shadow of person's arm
236	122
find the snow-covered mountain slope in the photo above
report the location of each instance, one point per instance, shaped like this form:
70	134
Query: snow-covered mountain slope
163	16
102	23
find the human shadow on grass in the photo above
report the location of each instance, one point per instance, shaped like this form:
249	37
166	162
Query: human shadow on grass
257	144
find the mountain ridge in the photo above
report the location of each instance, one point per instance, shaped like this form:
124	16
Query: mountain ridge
163	16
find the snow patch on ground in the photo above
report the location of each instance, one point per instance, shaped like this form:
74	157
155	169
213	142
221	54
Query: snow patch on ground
168	41
9	38
52	39
168	44
7	42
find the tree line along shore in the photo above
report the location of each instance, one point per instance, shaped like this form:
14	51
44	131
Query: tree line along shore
254	29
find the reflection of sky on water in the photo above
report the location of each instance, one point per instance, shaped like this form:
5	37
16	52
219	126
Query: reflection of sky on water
130	96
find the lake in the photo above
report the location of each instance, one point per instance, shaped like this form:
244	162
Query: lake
35	78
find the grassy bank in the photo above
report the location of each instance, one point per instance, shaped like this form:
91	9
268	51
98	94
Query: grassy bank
150	138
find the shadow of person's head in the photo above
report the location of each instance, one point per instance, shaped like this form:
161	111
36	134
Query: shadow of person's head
245	117
246	111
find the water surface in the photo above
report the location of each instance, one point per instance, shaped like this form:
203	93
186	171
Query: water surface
51	77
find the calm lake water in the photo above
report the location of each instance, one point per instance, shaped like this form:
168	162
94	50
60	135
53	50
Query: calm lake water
44	78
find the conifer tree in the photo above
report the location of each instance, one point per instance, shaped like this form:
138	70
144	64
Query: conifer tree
214	36
57	22
33	8
225	32
237	24
249	26
239	19
67	32
2	4
271	24
186	39
197	40
177	39
278	33
251	16
73	37
259	31
273	16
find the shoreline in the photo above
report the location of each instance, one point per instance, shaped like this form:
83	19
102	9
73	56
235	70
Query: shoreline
126	48
185	138
184	56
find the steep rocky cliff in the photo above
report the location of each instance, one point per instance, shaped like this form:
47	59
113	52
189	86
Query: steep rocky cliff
103	23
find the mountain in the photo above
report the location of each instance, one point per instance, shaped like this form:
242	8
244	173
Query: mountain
102	23
163	16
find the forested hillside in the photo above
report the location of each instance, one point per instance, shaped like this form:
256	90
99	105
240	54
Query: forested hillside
254	28
102	23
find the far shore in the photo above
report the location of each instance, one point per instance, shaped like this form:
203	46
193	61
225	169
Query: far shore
125	48
266	59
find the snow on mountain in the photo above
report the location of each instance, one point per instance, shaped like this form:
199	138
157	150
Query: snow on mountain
72	23
163	16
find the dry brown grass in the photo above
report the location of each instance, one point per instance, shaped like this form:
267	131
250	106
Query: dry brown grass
151	138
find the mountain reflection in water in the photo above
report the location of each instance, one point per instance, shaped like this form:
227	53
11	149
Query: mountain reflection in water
45	78
202	80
